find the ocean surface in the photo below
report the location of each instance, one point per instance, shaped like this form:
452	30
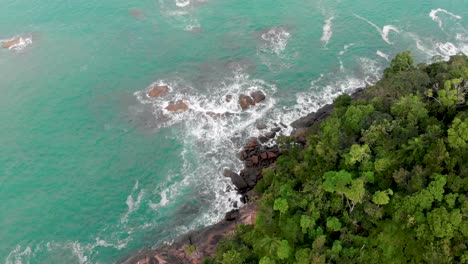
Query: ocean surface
92	169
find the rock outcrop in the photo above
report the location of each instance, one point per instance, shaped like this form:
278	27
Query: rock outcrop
10	43
258	96
158	90
178	106
246	101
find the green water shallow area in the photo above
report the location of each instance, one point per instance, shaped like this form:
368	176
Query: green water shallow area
91	169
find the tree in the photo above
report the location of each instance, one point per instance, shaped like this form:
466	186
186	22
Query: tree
402	62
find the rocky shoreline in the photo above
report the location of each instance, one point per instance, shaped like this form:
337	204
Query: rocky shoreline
194	246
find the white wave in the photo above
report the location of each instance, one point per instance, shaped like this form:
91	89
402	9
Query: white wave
434	17
383	32
276	39
19	256
163	202
182	3
132	204
383	55
21	42
345	48
78	251
447	49
327	30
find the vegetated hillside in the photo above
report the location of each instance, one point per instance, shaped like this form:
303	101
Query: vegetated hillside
382	180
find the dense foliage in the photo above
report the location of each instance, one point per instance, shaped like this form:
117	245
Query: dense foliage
382	180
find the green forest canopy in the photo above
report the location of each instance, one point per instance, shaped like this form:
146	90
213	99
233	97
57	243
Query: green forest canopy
382	180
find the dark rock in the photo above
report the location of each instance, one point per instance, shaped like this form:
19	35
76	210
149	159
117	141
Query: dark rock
245	101
254	160
262	139
228	98
235	204
243	199
213	115
258	96
312	118
264	156
283	125
250	175
261	126
248	164
276	129
158	90
178	106
236	179
243	155
270	134
232	215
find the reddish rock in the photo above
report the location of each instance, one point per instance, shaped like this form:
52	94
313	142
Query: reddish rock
245	101
158	90
255	159
264	156
257	96
251	143
272	155
178	106
9	43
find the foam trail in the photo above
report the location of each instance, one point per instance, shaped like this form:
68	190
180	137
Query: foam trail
434	17
383	55
345	48
327	30
383	32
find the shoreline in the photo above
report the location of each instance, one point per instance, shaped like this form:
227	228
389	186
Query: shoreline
194	246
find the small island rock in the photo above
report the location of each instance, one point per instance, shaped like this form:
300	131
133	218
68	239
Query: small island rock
245	101
158	90
258	96
178	106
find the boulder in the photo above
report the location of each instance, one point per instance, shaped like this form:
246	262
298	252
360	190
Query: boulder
245	101
262	139
243	155
236	179
261	126
264	156
254	159
10	43
276	129
232	215
272	155
258	96
270	134
251	175
158	90
252	143
178	106
228	98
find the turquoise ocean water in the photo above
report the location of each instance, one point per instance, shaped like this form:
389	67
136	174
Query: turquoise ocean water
91	169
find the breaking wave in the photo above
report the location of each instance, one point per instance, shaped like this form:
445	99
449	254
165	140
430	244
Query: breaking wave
384	33
434	17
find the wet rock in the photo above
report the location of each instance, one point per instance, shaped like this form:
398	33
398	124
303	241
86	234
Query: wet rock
10	43
228	98
276	129
257	96
261	126
313	118
232	215
243	155
263	156
236	179
262	139
270	135
245	101
178	106
254	160
213	115
283	125
158	90
252	143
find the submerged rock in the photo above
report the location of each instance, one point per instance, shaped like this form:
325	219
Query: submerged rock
258	96
10	43
178	106
158	90
245	101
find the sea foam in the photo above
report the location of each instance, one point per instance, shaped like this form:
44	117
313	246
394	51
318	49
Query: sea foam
327	30
383	32
434	17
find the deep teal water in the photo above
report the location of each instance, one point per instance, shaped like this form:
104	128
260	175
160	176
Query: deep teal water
91	169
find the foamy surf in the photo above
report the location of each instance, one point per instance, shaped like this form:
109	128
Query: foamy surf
327	31
275	39
434	17
384	33
383	55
